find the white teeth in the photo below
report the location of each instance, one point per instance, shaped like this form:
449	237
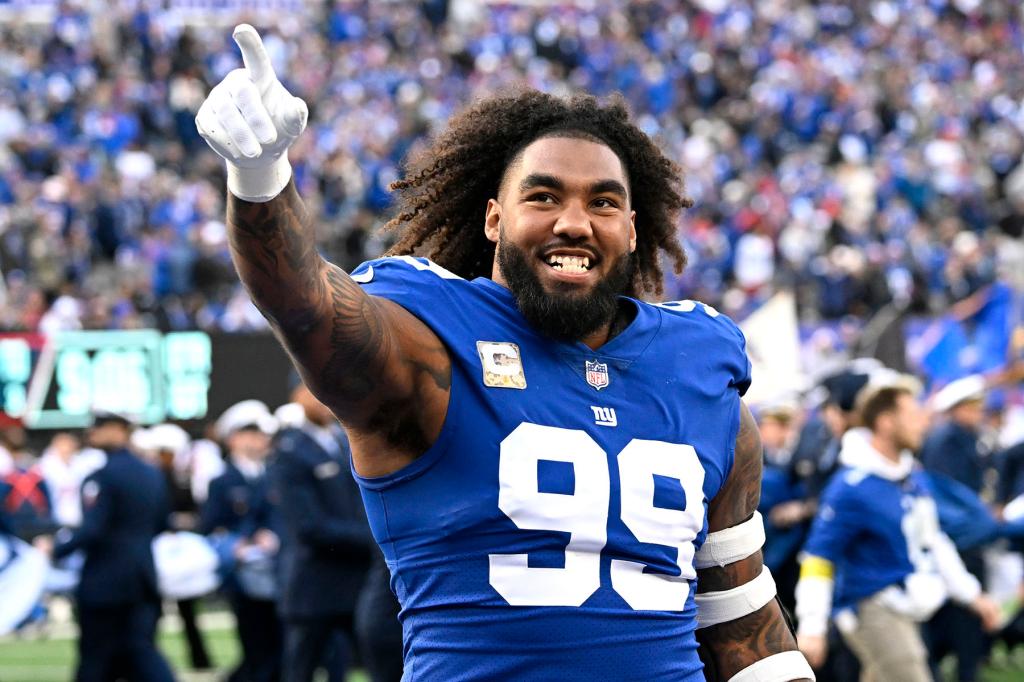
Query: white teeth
569	263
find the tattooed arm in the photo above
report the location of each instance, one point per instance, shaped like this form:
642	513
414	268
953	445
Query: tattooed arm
382	371
729	647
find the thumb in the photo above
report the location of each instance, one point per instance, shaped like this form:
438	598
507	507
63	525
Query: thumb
254	55
293	117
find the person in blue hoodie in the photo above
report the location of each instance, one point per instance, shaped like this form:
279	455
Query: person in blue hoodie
876	559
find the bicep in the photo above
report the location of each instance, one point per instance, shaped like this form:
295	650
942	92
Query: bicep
363	356
738	498
357	353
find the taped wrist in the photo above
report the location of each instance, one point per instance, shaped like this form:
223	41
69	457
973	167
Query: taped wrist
260	184
784	667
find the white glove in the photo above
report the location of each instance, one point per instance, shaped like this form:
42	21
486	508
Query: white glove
251	120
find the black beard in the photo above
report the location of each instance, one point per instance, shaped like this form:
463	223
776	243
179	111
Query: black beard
564	316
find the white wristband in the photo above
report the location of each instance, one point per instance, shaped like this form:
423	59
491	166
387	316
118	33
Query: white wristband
784	667
731	544
260	184
813	605
719	607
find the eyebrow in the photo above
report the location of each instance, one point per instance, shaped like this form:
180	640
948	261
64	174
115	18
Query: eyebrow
608	186
540	180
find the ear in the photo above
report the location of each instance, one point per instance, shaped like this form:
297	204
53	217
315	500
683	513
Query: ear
632	231
492	220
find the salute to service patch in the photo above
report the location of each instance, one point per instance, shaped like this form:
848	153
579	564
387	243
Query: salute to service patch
502	364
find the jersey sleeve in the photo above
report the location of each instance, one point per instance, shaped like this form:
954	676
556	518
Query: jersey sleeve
412	282
718	340
739	363
837	522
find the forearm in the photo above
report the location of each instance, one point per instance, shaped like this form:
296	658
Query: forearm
273	246
327	322
728	648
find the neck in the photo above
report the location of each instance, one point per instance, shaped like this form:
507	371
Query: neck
624	315
886	447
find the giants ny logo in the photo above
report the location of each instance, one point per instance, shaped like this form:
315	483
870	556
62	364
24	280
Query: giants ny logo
605	416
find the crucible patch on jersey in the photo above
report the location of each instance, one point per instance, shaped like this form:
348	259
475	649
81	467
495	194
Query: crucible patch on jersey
597	374
502	364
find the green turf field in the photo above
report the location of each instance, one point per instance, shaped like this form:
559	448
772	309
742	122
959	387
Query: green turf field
53	660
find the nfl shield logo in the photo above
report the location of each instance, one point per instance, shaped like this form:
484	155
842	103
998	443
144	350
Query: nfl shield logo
597	374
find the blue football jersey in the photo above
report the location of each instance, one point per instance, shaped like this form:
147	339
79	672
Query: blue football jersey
874	532
549	532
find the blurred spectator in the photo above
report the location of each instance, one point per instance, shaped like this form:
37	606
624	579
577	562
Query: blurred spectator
327	544
876	546
862	153
64	465
124	508
26	502
240	505
169	445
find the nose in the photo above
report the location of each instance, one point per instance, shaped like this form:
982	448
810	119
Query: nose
573	222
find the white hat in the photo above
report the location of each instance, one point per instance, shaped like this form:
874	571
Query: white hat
290	415
168	437
959	391
243	414
140	440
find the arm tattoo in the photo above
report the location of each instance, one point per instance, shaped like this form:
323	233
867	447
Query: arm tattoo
346	342
737	500
729	647
732	646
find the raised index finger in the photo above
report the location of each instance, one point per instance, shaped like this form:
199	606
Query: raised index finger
254	55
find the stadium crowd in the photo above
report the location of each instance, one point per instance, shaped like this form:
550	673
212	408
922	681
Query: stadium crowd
861	154
858	152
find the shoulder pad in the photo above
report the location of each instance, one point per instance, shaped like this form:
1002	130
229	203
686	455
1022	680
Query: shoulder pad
398	266
686	306
724	335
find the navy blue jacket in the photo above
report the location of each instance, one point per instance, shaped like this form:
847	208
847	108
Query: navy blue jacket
124	506
957	452
237	505
327	545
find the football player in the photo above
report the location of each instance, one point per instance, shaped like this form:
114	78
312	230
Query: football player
547	462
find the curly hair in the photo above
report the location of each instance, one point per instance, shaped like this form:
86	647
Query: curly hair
443	197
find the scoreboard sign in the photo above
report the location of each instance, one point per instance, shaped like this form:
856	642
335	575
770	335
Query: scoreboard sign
59	380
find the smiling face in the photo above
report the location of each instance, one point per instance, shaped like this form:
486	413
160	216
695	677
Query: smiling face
564	231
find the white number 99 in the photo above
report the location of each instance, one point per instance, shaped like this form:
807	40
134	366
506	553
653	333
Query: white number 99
584	515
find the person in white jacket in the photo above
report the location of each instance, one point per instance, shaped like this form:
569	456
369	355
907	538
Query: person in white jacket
876	559
64	465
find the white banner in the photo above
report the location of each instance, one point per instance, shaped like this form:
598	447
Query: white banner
773	346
